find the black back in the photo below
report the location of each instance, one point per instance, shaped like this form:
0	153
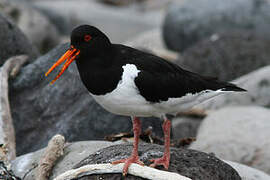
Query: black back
160	79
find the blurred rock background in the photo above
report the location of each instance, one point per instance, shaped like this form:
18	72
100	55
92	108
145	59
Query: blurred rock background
228	39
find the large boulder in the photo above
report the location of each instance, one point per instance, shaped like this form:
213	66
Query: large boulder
39	30
152	42
26	165
41	110
256	83
227	55
190	163
120	23
13	41
238	134
185	127
188	22
248	173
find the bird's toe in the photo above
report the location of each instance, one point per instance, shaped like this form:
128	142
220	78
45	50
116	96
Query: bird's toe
160	161
128	162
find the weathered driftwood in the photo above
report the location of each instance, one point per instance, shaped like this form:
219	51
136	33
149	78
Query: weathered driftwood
7	133
54	150
134	169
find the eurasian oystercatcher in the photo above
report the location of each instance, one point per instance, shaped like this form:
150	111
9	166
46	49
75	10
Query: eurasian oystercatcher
130	82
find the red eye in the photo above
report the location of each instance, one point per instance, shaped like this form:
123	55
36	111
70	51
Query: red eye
87	38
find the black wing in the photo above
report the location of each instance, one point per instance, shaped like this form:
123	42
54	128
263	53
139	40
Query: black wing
159	79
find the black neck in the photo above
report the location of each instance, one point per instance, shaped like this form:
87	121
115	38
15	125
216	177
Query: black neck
97	71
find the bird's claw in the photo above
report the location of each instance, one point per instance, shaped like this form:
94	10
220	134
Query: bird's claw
128	162
164	161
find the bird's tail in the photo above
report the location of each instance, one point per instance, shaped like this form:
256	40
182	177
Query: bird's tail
232	87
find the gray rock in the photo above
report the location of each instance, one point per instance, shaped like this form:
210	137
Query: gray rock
117	2
257	84
76	152
193	164
25	165
120	23
41	110
39	30
187	23
147	40
61	22
238	134
151	41
248	173
185	127
13	41
223	54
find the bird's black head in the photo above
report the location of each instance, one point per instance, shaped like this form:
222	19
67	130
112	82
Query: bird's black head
86	42
89	39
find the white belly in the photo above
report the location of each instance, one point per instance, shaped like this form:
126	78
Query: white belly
126	100
137	106
130	106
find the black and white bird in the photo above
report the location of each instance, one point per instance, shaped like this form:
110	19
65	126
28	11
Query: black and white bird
130	82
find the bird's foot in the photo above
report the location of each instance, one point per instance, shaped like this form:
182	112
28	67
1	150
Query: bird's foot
164	161
128	162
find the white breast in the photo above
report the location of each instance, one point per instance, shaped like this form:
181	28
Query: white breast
125	99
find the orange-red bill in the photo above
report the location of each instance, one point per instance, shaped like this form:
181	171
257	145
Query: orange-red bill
69	56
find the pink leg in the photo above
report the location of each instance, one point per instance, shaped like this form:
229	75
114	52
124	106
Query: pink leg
134	158
165	159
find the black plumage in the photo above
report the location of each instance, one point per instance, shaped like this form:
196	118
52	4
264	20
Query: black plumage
160	79
100	65
157	80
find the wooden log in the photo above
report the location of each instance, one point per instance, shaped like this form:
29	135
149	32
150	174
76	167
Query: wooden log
7	133
134	169
54	150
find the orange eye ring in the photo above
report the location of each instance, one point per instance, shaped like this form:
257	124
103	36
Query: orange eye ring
87	38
